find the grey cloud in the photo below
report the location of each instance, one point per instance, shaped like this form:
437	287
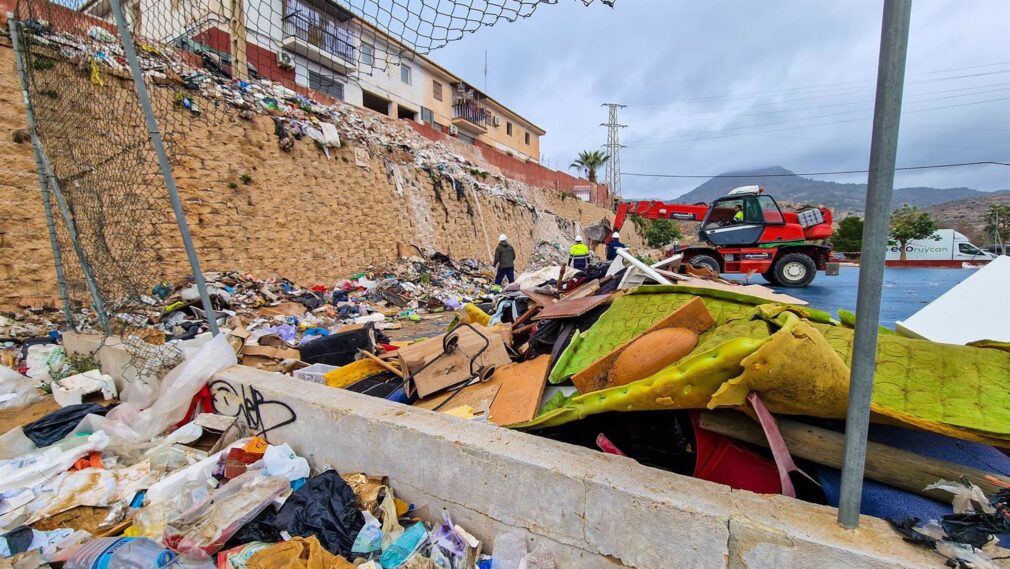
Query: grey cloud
756	84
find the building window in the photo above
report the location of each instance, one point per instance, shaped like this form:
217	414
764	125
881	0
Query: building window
405	73
466	138
427	116
436	90
326	85
527	138
367	54
508	128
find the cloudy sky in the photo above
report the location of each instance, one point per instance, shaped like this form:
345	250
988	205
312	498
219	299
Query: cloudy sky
720	85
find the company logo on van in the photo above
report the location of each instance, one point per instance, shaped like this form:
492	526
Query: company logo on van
911	249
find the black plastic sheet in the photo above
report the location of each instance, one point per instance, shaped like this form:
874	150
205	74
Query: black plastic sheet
60	423
325	506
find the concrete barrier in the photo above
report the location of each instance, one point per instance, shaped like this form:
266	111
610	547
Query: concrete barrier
590	509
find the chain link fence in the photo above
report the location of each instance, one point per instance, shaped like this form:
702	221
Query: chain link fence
105	172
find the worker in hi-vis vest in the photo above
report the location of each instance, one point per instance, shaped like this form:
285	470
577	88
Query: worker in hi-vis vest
578	255
738	216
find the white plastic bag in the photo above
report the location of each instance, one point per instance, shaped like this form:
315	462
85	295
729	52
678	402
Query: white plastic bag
17	390
964	497
180	385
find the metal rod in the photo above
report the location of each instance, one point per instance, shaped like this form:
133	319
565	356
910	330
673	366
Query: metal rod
82	257
130	51
61	279
880	183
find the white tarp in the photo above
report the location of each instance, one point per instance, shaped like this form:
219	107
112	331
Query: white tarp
976	309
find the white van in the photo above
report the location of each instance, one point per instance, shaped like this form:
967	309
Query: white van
946	248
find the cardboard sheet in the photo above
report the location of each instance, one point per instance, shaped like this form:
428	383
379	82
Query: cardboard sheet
522	386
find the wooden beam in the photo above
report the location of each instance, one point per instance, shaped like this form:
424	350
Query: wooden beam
239	57
895	467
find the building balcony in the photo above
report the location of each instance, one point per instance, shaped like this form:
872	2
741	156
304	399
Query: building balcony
470	117
319	40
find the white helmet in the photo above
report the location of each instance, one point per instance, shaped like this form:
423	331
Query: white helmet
578	239
616	235
503	237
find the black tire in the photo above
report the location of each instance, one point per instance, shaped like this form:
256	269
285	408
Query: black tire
707	261
770	277
794	270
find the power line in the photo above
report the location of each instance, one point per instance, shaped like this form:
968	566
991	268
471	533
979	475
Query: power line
745	130
752	176
827	86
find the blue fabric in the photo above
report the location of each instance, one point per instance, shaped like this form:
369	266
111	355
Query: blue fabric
612	248
883	501
508	273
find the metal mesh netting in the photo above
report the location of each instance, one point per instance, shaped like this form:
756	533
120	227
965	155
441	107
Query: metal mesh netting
200	60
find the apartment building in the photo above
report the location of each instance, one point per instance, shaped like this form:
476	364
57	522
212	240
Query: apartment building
321	45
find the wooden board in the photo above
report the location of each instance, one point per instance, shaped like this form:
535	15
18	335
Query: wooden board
895	467
473	395
584	290
692	315
522	387
430	371
571	308
541	299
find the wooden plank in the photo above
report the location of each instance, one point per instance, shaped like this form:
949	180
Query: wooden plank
584	290
237	31
692	315
431	371
895	467
386	365
541	299
571	308
522	387
473	395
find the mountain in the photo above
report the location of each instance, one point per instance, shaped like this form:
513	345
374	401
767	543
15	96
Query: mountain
967	216
785	185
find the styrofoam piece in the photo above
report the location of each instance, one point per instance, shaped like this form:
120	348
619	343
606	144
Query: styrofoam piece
314	372
70	390
976	309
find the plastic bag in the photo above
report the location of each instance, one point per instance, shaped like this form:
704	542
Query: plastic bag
964	497
121	553
280	460
60	423
27	471
180	385
325	506
207	525
405	546
369	538
17	390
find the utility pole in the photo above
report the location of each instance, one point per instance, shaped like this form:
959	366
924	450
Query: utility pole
613	173
879	187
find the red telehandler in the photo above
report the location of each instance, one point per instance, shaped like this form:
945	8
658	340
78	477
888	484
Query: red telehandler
747	232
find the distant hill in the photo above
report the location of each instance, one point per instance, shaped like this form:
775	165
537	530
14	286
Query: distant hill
966	216
787	186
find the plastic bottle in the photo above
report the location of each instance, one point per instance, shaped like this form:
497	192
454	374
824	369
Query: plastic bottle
120	553
509	551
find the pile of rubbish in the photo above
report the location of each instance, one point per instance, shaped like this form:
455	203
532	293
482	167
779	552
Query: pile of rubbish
566	354
296	117
114	483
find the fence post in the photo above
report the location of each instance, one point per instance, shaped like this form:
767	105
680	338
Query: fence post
61	279
130	51
880	184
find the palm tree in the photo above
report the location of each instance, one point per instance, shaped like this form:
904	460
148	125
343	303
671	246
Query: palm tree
590	161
